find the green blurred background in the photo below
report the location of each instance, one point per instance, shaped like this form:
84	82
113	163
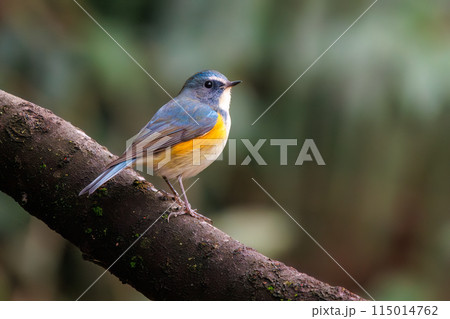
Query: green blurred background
376	105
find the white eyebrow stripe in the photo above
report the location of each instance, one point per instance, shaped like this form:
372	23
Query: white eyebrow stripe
215	78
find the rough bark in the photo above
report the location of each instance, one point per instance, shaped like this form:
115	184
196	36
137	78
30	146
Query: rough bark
44	163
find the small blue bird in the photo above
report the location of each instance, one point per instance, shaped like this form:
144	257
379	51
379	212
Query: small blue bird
184	136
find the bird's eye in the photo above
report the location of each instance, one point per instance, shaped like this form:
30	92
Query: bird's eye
208	84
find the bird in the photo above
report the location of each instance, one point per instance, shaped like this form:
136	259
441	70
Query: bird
185	136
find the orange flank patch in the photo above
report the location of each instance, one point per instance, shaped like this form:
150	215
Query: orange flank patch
191	157
208	140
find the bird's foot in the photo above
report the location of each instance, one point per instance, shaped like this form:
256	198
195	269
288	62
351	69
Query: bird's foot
175	214
178	200
191	212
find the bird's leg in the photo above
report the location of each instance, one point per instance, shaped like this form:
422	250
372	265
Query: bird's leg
186	202
187	208
177	199
174	191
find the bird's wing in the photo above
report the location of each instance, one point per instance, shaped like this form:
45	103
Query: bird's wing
175	122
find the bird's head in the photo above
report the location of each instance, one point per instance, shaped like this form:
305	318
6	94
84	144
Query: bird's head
209	87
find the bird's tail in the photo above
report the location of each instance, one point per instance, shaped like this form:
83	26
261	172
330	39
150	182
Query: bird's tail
106	176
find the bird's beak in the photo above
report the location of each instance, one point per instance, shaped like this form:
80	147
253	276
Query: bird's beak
233	83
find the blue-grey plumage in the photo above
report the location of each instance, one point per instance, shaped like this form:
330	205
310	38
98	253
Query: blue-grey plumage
201	110
106	176
182	119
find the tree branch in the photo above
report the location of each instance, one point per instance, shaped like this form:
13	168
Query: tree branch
44	163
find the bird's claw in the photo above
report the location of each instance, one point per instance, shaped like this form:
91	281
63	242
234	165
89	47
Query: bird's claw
191	212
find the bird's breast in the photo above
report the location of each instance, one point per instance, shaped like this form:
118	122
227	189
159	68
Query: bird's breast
191	157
